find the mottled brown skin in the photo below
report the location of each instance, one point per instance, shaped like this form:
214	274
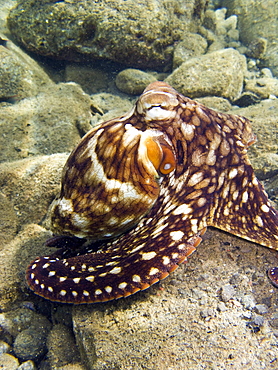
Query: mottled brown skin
144	187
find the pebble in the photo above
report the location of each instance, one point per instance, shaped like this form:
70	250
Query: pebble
133	81
16	321
261	309
258	319
4	347
248	301
221	307
227	292
30	344
8	362
27	365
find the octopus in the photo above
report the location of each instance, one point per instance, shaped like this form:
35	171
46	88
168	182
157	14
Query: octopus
139	191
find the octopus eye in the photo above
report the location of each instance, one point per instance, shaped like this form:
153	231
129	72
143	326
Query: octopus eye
161	155
168	163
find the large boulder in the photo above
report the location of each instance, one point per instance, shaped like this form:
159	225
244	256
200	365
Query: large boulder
139	34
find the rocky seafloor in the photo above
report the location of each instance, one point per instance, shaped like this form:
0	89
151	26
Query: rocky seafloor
66	66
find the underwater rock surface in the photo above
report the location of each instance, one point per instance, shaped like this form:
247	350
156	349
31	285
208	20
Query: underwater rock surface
135	34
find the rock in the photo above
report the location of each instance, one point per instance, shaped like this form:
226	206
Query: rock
14	257
216	103
29	329
27	365
4	347
30	344
227	292
133	81
48	123
24	183
8	362
247	98
140	35
263	87
219	73
248	301
192	45
160	328
266	165
31	185
15	321
111	106
61	346
20	75
261	309
8	221
265	126
92	80
258	20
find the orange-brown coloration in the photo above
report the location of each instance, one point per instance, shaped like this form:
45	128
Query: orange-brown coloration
144	187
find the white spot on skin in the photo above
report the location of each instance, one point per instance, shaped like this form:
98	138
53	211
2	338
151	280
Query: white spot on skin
148	256
153	271
175	255
201	202
76	280
194	226
85	293
90	278
259	221
46	265
181	246
136	279
108	289
74	293
65	206
72	268
122	285
187	130
63	292
37	281
176	235
34	266
232	174
62	278
32	276
98	292
235	195
165	260
245	197
115	270
182	209
50	289
226	211
79	221
265	208
195	178
42	286
255	181
137	248
84	267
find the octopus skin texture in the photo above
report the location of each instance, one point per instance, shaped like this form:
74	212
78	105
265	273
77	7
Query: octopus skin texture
142	189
